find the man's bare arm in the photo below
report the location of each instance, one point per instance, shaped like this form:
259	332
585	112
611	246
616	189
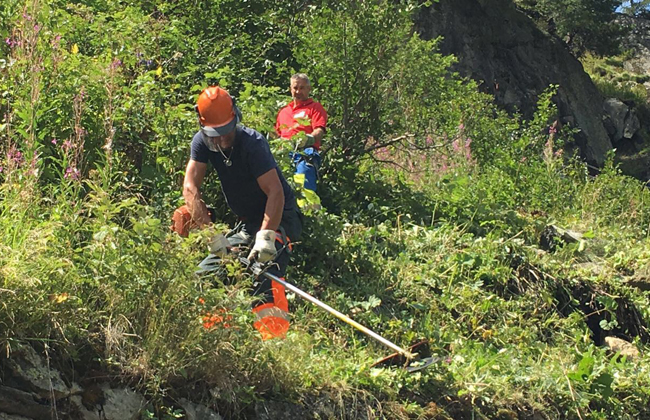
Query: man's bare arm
270	184
194	174
318	134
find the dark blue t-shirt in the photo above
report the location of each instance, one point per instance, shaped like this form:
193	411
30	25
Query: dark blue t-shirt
251	157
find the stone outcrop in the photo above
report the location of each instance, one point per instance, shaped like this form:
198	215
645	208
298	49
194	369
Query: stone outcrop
31	389
513	60
622	347
638	42
621	122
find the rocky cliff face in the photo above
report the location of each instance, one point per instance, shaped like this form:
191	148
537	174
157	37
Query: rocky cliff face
637	41
513	60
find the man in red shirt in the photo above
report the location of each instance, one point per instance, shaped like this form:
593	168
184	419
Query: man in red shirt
303	114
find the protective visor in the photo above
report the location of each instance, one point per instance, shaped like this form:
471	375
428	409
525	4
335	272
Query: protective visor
216	131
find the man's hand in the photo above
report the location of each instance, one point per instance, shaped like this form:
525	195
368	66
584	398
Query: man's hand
309	142
264	248
219	245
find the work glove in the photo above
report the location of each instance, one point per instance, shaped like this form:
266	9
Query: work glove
264	248
218	245
308	141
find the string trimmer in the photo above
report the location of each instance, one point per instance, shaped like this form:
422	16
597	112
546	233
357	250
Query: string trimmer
409	359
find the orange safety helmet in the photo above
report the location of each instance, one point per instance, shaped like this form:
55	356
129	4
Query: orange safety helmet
218	113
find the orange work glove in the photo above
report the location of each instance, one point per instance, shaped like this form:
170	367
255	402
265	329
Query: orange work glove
182	221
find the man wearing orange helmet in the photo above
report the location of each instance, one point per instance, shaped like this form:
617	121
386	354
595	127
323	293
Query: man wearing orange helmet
255	191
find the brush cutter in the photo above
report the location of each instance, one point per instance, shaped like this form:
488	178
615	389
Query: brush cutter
409	359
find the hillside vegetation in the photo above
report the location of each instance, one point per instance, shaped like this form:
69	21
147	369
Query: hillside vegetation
435	220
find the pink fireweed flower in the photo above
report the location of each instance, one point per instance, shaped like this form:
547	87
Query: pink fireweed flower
67	145
37	28
54	141
15	156
72	173
456	145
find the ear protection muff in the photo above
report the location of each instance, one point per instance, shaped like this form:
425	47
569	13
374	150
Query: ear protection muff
235	108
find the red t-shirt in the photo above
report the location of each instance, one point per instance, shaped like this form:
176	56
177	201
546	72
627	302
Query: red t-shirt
305	116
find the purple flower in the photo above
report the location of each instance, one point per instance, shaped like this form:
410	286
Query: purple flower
16	156
116	63
8	41
54	141
72	173
1	169
67	145
37	28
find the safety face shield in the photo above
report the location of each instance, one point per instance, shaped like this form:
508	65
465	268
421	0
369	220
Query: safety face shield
216	131
210	142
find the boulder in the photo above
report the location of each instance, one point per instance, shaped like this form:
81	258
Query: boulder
197	411
31	370
553	237
641	283
106	403
621	121
638	42
4	416
623	347
16	402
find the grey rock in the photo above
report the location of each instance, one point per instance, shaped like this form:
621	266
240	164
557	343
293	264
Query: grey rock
20	403
623	121
617	112
623	347
641	283
31	368
113	404
197	411
122	403
553	236
632	125
637	41
4	416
